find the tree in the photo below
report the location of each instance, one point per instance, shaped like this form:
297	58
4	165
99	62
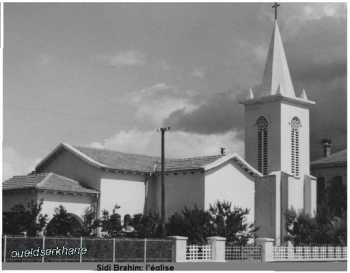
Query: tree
231	224
90	223
193	223
111	224
22	219
147	226
219	220
320	230
63	224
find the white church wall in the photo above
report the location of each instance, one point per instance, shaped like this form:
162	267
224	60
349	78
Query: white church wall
75	204
127	191
271	111
229	183
288	112
295	193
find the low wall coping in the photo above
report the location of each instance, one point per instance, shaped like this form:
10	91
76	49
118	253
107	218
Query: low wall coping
178	237
217	238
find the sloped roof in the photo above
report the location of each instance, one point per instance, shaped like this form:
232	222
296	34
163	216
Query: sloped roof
45	181
144	163
338	158
114	160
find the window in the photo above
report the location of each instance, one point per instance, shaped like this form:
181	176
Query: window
295	125
262	126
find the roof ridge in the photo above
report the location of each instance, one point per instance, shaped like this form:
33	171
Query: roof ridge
145	155
110	150
67	178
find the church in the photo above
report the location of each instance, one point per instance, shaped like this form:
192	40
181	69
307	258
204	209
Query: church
273	176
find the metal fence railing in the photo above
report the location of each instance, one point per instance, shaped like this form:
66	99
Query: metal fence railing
309	253
29	249
243	253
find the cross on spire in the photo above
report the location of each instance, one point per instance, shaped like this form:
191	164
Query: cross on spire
275	6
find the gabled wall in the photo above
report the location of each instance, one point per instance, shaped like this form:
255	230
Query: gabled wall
69	165
228	182
126	190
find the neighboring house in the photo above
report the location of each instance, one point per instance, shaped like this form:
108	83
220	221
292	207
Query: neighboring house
330	169
54	189
275	175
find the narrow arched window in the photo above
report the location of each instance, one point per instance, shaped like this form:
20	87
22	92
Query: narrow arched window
295	125
262	126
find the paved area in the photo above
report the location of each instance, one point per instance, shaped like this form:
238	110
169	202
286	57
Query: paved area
276	266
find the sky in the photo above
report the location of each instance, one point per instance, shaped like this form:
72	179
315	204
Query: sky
108	75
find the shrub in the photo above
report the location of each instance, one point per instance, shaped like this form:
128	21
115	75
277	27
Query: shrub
63	224
193	223
147	226
24	219
322	229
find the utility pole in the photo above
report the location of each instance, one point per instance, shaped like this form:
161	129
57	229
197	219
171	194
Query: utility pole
163	130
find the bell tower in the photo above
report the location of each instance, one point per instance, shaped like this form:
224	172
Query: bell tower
277	144
276	120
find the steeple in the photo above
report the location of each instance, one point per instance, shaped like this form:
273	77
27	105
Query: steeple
276	74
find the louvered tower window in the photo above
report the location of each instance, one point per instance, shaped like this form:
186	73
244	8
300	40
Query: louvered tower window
262	126
295	125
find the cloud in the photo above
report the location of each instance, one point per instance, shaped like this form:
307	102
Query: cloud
15	163
317	58
126	58
153	104
219	113
199	72
316	53
178	144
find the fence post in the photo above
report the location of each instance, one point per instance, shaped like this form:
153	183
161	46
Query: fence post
81	247
180	244
218	246
113	250
267	248
43	247
5	246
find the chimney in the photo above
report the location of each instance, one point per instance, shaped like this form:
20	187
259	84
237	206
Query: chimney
327	147
222	151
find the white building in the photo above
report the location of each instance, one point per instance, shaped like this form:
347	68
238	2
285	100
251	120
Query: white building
273	177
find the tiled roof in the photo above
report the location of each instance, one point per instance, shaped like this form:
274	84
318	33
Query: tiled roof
143	163
338	158
45	181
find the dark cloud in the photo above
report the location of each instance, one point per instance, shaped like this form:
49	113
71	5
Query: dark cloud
317	59
219	114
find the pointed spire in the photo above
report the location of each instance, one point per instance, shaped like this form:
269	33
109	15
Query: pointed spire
276	73
251	94
303	95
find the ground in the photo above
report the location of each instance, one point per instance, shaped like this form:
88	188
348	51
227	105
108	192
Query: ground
276	266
